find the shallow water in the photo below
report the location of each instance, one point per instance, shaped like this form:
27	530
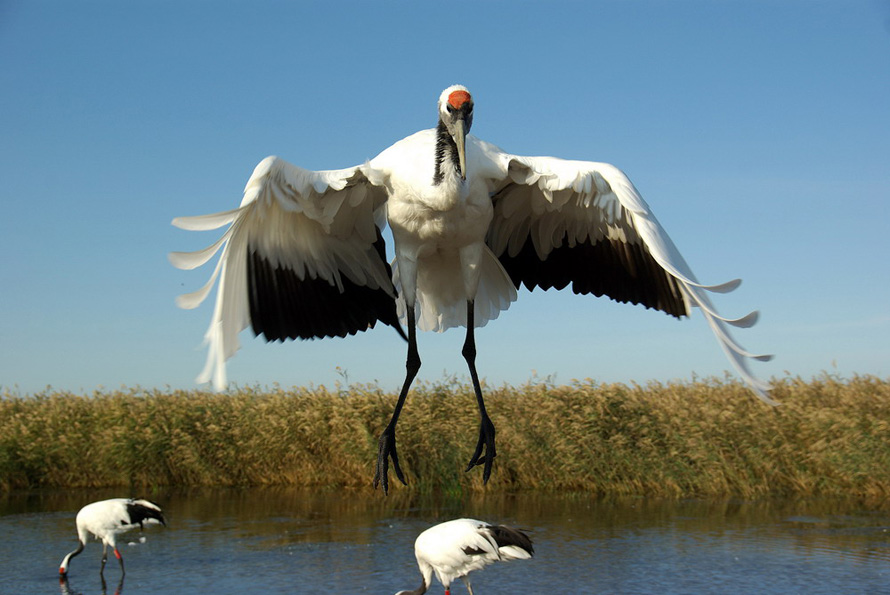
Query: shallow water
284	540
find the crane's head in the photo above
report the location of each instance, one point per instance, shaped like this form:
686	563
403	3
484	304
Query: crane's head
456	113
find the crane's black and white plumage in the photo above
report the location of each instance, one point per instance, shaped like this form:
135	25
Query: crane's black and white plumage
304	256
106	519
454	549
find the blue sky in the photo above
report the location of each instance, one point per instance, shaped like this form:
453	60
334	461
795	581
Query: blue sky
758	132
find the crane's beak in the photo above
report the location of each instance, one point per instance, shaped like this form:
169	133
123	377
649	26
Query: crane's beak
460	139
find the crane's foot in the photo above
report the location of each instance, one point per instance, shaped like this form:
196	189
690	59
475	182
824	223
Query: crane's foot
387	450
486	444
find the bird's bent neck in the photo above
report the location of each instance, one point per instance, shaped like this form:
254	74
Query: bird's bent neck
447	161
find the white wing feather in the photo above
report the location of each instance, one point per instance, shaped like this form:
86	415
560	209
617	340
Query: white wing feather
668	256
318	223
578	201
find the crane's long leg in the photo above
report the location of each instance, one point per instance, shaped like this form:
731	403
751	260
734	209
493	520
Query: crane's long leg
104	558
486	428
120	559
467	583
387	444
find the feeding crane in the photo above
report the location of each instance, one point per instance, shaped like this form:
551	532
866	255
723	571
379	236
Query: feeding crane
304	255
106	520
454	549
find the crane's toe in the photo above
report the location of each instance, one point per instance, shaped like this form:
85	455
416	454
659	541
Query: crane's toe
387	450
486	443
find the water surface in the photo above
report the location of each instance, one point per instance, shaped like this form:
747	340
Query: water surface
294	541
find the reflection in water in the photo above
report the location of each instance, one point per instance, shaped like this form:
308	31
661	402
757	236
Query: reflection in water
66	589
120	586
238	541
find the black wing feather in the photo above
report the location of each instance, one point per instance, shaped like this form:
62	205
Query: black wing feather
507	536
139	513
283	306
624	272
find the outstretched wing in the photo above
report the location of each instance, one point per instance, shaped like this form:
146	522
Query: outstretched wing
303	257
558	222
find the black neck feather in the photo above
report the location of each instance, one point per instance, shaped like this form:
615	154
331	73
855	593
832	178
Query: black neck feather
446	151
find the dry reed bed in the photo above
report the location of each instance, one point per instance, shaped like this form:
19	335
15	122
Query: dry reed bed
830	436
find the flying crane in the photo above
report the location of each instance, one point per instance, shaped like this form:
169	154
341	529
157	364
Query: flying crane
304	255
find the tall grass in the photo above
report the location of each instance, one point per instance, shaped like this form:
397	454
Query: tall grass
830	436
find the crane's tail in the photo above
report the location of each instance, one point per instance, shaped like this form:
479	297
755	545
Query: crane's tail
441	297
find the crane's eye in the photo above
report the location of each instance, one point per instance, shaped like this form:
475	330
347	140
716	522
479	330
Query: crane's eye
451	109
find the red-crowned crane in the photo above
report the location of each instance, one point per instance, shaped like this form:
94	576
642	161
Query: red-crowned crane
107	519
304	255
454	549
